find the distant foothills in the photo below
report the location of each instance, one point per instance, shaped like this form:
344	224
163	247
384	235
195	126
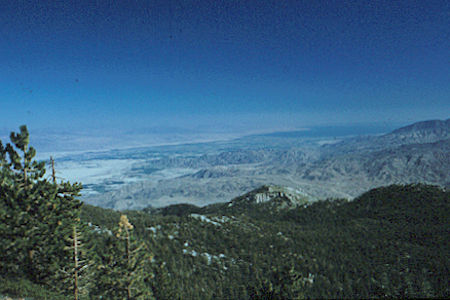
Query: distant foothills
319	166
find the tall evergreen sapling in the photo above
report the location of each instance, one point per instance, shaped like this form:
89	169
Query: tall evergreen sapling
124	272
77	276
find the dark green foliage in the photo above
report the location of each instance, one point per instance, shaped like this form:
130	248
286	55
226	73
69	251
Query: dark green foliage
100	216
34	215
121	273
77	274
389	242
20	287
177	210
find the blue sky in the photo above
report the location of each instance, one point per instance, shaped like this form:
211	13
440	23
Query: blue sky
222	65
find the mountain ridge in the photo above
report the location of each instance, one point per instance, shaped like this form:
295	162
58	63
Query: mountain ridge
420	132
415	153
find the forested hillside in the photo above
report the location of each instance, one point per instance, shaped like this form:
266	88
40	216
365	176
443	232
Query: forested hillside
389	242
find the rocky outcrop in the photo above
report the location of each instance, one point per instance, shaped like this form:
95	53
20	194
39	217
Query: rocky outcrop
275	196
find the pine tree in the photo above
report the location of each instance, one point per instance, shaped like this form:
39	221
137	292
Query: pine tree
77	275
162	285
8	217
35	214
124	272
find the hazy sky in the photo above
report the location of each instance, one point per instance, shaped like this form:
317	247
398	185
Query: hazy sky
221	65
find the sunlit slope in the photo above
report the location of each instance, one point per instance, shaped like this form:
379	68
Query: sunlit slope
412	154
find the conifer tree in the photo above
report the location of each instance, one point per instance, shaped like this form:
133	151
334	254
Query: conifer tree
35	213
124	271
162	285
77	275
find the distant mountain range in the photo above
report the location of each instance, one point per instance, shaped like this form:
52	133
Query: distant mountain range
417	133
416	153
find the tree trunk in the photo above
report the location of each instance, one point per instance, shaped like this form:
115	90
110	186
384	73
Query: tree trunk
75	260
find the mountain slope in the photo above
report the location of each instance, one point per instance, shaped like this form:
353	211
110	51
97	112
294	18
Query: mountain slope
355	172
415	153
417	133
265	199
388	242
